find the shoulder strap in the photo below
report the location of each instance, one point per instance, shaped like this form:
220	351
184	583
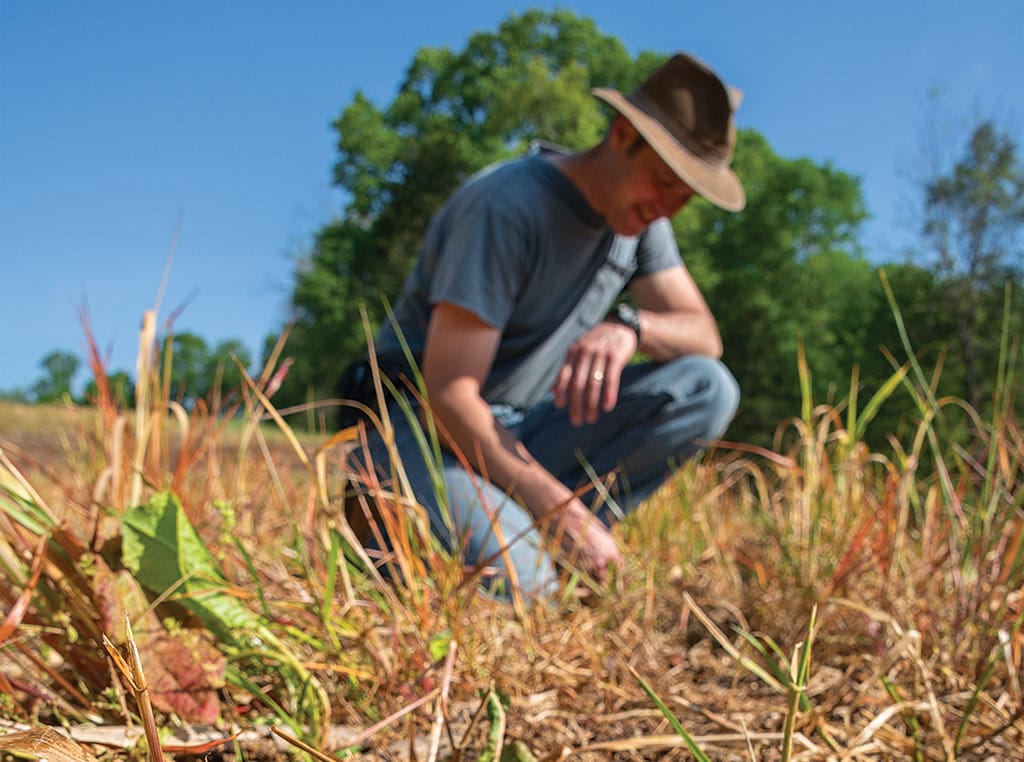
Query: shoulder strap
533	378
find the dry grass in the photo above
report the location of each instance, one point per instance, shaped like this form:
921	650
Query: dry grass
818	601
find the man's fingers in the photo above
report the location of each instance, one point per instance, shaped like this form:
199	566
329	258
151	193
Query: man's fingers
579	389
589	380
592	386
593	390
592	544
610	386
560	390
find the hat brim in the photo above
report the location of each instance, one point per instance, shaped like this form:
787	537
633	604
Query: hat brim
717	183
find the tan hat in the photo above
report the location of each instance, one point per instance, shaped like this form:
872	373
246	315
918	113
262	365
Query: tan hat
685	112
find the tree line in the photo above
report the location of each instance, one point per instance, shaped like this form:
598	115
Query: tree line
197	370
786	277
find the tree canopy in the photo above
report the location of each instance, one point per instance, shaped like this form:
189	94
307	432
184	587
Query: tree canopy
455	112
973	217
55	386
198	370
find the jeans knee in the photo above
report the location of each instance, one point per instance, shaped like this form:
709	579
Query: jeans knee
706	394
723	398
495	532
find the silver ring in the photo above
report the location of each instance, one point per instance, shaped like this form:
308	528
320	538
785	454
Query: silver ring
598	376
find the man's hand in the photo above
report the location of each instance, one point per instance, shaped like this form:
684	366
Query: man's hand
588	381
587	542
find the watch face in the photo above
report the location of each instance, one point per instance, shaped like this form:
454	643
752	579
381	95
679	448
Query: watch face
628	315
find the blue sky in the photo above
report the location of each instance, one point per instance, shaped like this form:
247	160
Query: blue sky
130	128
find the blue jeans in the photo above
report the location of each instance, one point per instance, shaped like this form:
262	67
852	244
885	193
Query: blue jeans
666	414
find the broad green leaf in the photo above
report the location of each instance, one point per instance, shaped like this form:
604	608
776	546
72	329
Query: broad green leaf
164	552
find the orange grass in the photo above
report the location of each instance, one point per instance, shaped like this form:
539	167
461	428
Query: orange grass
912	559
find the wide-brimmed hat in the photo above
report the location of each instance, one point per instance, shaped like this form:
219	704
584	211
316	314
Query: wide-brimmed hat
685	113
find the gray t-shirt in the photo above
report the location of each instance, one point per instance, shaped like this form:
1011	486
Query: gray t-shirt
519	246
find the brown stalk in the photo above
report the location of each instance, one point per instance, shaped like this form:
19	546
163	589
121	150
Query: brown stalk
131	671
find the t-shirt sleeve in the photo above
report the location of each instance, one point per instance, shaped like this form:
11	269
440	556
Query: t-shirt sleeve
657	249
482	254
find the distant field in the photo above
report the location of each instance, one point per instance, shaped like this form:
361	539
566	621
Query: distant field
43	439
38	429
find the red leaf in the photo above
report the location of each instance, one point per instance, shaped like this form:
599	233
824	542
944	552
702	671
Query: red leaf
17	612
184	672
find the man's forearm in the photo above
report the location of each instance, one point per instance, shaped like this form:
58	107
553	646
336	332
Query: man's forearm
674	318
667	335
470	430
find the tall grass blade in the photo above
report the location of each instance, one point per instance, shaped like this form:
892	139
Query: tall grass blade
691	744
806	394
800	676
724	642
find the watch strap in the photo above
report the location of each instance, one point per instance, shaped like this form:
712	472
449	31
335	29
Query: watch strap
627	315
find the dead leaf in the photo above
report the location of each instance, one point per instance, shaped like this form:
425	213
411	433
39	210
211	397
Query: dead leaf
183	669
184	672
45	743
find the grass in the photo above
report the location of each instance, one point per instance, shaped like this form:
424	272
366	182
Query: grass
813	601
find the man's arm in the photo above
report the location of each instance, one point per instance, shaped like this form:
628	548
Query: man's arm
674	318
458	355
674	321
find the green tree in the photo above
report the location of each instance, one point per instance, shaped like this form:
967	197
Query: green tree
190	362
122	388
222	371
784	272
60	368
973	217
454	113
197	370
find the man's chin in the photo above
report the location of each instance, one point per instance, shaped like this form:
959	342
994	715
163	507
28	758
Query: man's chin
630	228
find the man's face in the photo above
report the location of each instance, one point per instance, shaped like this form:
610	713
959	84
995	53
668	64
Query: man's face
645	190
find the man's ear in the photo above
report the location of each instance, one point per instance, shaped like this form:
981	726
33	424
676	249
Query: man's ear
622	133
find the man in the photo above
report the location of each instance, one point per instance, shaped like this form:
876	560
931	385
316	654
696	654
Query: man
511	315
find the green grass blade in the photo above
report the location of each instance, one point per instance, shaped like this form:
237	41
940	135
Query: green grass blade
691	744
870	410
723	641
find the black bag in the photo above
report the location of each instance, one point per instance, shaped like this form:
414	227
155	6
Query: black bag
356	384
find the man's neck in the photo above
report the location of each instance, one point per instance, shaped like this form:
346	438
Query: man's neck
581	170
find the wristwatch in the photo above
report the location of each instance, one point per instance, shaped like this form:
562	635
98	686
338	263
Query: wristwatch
627	315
